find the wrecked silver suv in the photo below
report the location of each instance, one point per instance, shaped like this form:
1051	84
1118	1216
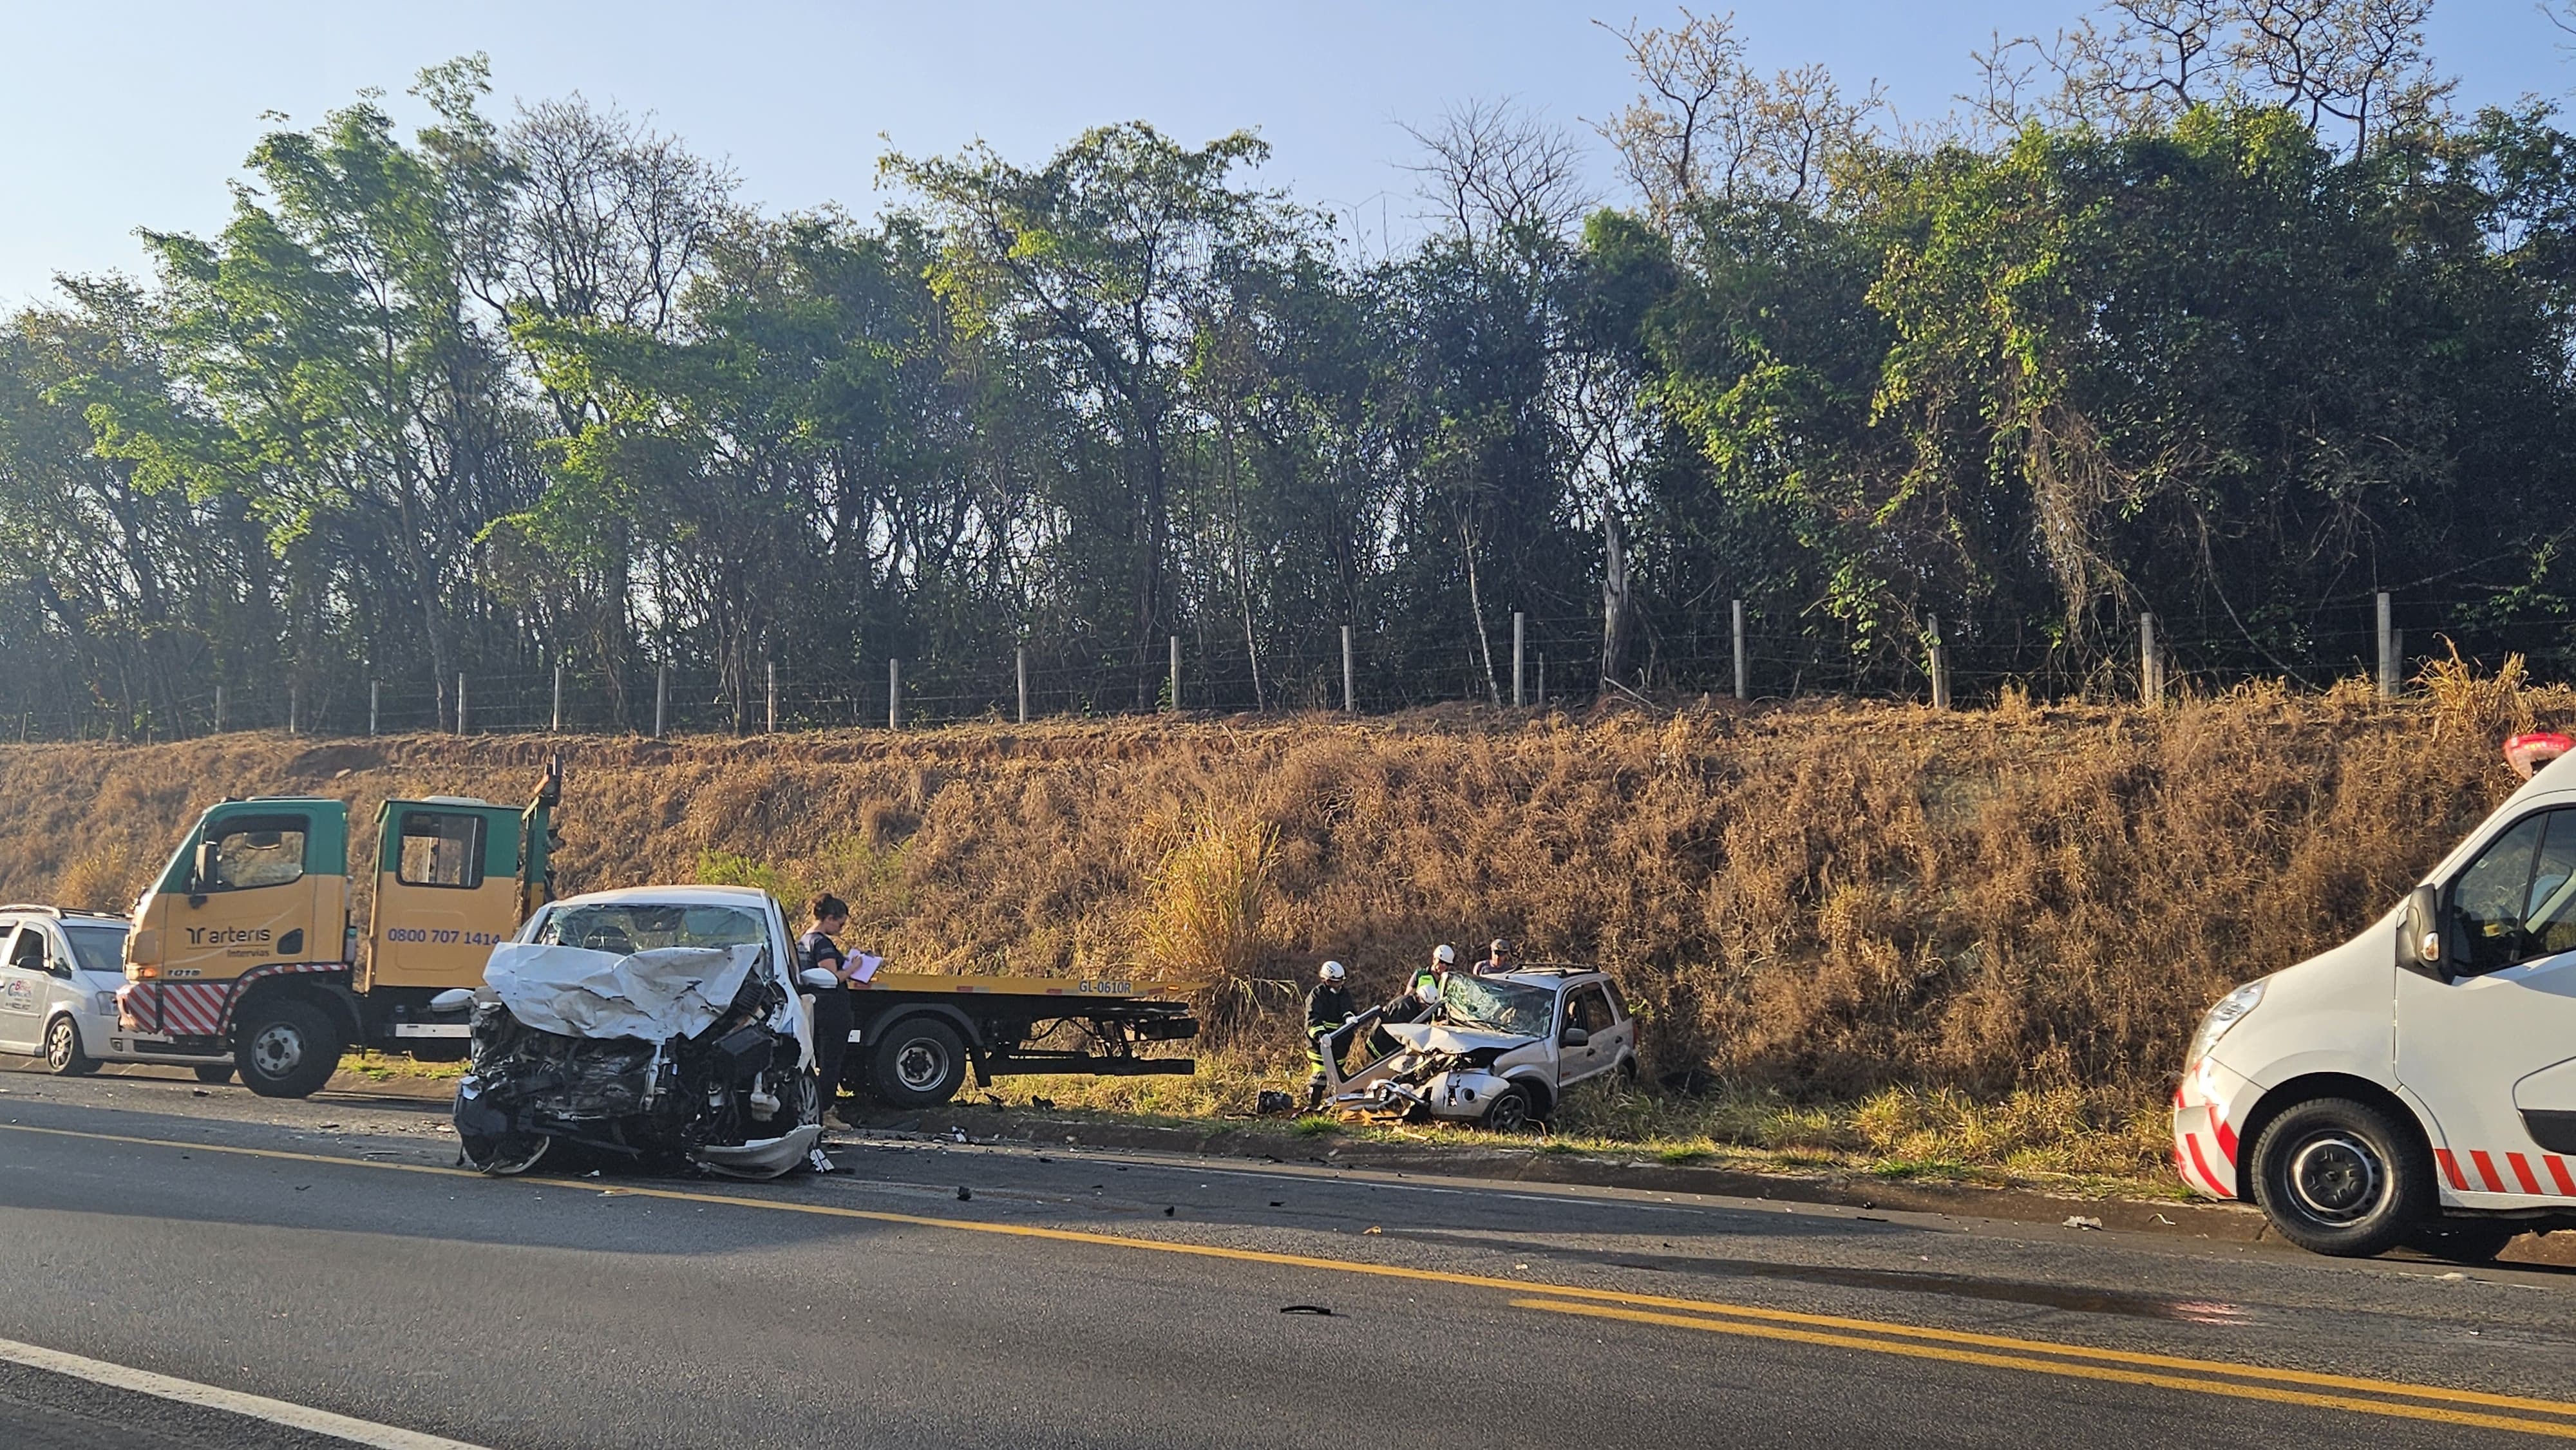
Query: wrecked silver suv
1496	1050
657	1027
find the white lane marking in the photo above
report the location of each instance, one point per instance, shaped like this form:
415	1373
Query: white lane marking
256	1407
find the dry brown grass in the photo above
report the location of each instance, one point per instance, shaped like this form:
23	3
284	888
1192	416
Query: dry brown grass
1822	904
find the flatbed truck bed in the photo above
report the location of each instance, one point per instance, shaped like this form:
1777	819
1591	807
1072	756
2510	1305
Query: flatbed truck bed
916	1035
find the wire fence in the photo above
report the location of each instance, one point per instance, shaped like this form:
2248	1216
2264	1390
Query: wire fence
1527	661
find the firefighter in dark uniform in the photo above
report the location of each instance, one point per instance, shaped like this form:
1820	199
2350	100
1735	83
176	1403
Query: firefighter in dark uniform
1328	1012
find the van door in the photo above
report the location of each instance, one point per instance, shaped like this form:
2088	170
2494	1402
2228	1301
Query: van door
24	987
2492	1052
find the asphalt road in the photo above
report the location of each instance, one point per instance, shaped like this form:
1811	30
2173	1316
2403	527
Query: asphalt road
326	1255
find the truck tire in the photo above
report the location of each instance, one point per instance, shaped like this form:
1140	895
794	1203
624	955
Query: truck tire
63	1055
919	1063
2344	1178
285	1048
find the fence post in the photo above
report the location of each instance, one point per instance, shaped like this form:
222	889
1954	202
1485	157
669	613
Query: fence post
1542	680
661	697
294	709
1176	674
375	692
2151	674
219	709
1350	682
770	667
461	726
558	714
1020	670
2387	651
1520	631
1940	664
1743	688
894	693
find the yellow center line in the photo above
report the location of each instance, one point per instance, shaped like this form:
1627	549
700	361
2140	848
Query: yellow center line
1883	1333
2233	1390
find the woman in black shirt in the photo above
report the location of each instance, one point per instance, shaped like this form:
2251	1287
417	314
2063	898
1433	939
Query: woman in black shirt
817	948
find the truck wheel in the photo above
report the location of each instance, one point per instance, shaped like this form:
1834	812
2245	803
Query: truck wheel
1509	1112
213	1073
63	1055
285	1048
920	1063
2342	1177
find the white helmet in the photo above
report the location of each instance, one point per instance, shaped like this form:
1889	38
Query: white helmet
1331	972
1427	993
1445	954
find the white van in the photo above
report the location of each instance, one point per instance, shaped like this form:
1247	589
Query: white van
59	974
2416	1085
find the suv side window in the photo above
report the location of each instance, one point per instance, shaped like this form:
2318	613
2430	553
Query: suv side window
1589	1009
27	953
2517	900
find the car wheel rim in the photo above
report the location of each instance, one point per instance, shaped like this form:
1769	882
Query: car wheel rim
277	1049
59	1046
921	1065
2336	1178
1508	1114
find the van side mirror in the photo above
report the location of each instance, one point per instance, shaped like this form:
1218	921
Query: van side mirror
2419	934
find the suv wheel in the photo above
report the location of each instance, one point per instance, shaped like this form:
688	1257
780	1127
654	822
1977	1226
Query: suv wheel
2341	1177
1509	1112
285	1048
63	1055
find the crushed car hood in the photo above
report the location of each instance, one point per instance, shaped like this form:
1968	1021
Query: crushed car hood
1432	1037
655	995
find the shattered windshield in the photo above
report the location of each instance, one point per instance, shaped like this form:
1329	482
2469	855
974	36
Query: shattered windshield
1490	1005
627	928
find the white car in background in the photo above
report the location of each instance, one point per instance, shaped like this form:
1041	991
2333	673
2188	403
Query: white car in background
59	972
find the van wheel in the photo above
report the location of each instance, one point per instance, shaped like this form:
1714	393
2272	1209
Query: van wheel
2463	1243
919	1064
63	1055
2341	1177
285	1048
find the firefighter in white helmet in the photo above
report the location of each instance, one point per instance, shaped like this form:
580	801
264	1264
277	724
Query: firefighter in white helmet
1328	1013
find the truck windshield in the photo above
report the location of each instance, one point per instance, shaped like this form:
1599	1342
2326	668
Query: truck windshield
1493	1006
99	948
625	928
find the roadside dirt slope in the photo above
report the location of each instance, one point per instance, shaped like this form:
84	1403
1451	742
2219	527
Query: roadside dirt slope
1834	899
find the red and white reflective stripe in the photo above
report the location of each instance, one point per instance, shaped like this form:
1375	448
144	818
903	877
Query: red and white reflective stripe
2211	1181
192	1009
2549	1178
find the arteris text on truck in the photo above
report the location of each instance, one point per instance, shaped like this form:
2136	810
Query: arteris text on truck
227	936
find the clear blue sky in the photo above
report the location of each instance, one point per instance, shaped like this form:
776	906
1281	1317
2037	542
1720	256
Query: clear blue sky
120	115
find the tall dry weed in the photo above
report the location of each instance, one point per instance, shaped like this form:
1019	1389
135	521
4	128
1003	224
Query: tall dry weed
107	879
2474	706
1202	926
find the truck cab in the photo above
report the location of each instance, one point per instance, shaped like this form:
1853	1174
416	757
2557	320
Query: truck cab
2417	1084
245	945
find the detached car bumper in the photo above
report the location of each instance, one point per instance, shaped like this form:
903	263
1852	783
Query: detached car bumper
2209	1108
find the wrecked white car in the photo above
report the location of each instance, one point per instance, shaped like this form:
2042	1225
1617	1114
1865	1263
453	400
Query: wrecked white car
658	1027
1498	1050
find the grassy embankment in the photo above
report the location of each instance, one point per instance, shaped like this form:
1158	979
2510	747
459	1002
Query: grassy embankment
1865	937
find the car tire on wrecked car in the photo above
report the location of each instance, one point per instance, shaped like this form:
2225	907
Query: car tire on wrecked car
2341	1177
1509	1112
285	1048
63	1055
919	1063
505	1156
